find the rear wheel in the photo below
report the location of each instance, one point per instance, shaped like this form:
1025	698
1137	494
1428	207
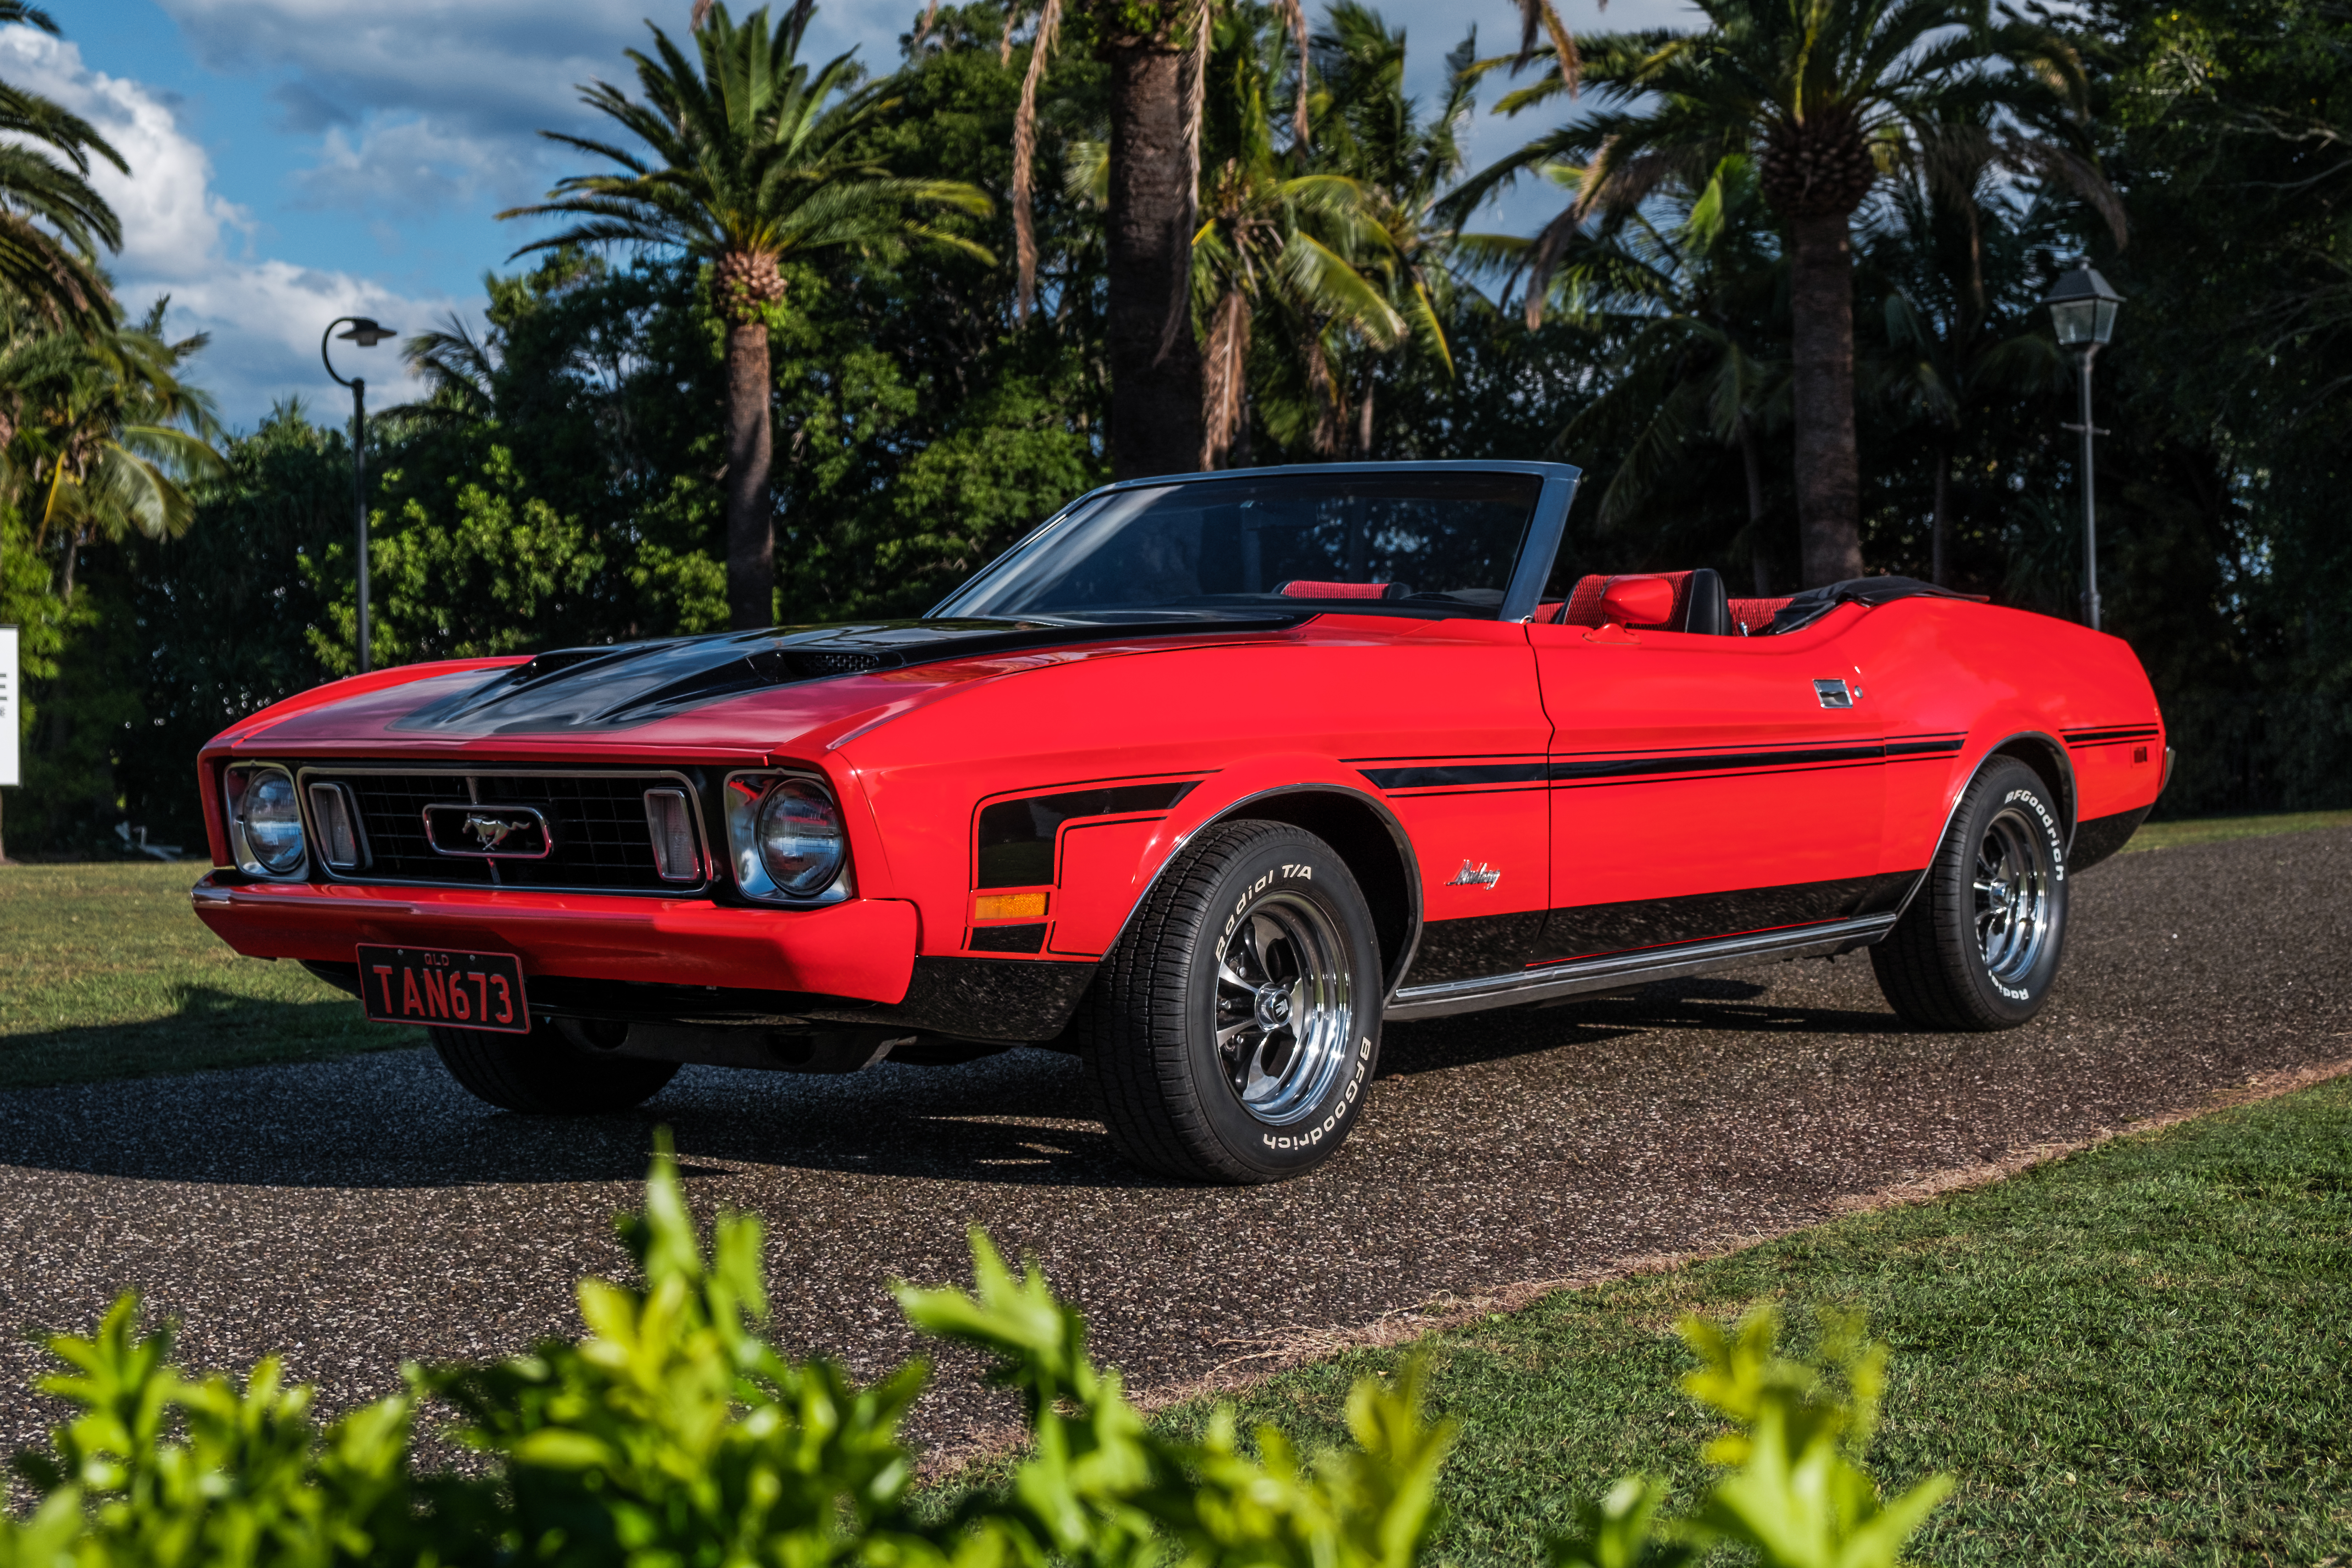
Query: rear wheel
1979	948
1233	1031
543	1074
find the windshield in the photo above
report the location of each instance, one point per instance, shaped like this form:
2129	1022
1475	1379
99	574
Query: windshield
1431	544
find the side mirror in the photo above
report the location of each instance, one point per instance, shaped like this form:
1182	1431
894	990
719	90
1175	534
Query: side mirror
1638	600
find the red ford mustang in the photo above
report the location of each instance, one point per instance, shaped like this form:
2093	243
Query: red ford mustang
1202	782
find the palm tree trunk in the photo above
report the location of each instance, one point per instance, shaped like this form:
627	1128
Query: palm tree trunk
1936	566
1363	453
1323	437
751	452
1829	488
1224	378
1751	462
1155	364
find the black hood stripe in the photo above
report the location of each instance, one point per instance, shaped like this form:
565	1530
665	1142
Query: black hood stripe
619	688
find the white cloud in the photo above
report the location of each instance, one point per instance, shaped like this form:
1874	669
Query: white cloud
507	68
409	166
181	238
435	105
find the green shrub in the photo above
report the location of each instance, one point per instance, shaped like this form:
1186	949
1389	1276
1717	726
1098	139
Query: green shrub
1799	1496
674	1437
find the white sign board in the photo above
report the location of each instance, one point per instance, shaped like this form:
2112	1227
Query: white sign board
11	720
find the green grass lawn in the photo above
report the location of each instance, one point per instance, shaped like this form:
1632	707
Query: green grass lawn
2141	1353
105	973
2205	829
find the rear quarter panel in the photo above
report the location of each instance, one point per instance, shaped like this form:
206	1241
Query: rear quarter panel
1948	667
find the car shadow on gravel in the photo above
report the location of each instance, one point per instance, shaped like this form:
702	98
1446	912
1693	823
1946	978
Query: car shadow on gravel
1705	1003
394	1120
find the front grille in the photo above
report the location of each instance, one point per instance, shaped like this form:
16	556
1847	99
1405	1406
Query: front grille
601	841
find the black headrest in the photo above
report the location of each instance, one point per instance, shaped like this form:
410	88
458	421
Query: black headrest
1706	608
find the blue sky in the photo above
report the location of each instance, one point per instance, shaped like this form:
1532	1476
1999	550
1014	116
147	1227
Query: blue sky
296	160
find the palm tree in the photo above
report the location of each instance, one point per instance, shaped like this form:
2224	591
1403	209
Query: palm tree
104	435
1374	133
754	159
1157	52
1958	334
1258	245
51	221
1829	96
1684	288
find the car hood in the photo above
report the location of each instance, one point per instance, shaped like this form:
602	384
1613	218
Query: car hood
807	675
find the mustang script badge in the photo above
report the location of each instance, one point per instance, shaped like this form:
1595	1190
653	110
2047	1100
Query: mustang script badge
488	832
1479	875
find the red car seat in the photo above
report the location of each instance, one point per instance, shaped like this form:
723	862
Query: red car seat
1700	606
1753	616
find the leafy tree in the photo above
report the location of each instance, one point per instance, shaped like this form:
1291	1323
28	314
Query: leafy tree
1258	245
1684	291
103	434
2224	557
753	161
1828	96
1373	132
51	222
106	439
223	617
553	487
1158	53
1961	328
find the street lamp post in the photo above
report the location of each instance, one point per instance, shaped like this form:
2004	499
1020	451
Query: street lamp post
2082	310
367	334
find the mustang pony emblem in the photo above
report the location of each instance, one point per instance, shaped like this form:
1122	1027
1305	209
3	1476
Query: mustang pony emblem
1479	875
489	832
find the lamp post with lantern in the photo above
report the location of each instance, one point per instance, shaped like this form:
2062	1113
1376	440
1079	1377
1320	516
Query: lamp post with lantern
366	334
2082	310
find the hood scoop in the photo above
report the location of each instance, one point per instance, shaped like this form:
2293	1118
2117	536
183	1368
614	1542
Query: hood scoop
637	683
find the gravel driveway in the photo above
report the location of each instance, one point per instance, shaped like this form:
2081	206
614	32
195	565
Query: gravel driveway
356	1213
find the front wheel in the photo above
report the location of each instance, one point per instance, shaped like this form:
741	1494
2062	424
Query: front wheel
1233	1031
1979	948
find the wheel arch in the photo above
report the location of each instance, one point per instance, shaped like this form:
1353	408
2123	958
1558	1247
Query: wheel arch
2038	751
2046	755
1365	834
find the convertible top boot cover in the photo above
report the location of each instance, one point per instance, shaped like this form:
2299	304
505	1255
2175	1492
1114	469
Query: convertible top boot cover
1803	609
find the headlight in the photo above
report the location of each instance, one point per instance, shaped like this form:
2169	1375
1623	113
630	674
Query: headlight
267	822
787	839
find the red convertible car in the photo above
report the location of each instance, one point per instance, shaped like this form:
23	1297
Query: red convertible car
1202	782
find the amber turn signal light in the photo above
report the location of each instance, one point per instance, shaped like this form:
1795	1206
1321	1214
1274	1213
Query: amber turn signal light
1008	906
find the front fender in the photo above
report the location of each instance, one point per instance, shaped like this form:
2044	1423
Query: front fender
1104	882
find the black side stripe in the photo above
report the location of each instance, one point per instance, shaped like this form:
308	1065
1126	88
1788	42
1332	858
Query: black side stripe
2110	737
1586	770
1427	777
1436	774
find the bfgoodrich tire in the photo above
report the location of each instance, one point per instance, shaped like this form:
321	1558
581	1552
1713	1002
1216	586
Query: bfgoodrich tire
543	1074
1979	948
1233	1031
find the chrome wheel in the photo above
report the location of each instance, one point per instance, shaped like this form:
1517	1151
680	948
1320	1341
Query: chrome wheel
1285	1018
2013	875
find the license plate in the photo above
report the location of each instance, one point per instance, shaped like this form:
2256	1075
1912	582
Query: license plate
430	985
